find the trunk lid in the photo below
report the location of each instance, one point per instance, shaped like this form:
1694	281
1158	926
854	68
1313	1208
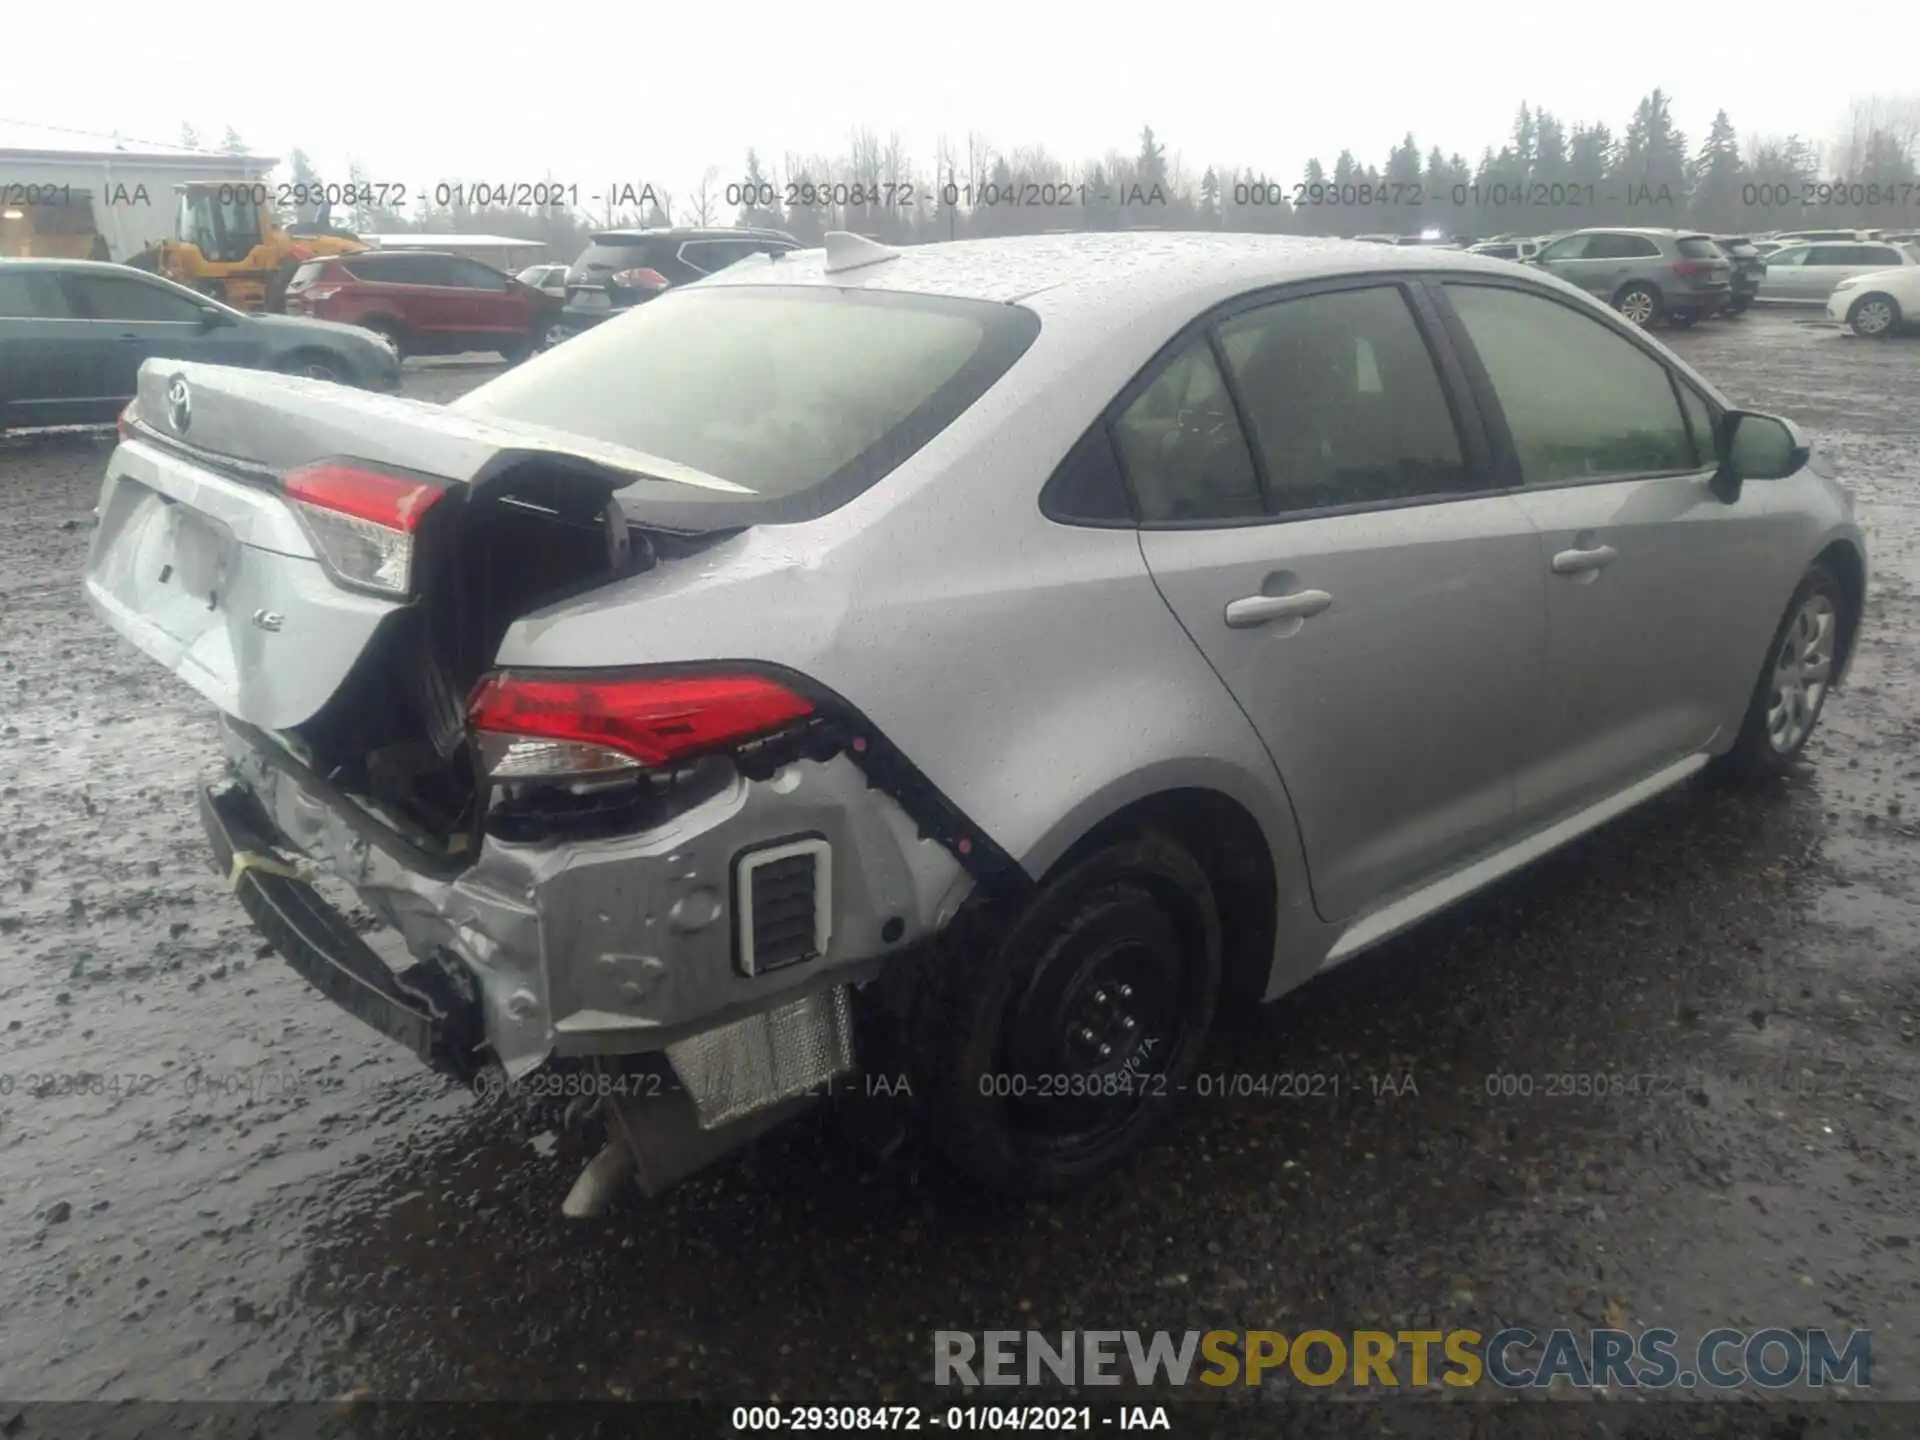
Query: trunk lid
202	561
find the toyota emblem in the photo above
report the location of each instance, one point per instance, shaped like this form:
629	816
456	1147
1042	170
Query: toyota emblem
179	404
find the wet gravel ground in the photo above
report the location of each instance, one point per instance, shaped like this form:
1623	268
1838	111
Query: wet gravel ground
214	1185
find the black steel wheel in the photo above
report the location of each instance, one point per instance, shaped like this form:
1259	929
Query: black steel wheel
1062	1044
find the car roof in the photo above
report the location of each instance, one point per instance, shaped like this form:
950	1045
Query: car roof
376	250
1636	230
694	232
53	262
1091	269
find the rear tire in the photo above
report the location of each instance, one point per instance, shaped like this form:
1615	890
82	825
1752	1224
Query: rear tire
514	354
1795	679
1875	316
1739	304
1058	1044
1640	304
393	335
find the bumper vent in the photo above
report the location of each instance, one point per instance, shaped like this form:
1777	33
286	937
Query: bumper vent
784	904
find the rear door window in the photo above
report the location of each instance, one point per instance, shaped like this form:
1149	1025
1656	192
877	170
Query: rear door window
1343	400
1574	247
1181	446
110	297
32	295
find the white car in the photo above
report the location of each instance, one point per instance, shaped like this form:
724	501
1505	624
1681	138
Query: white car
1807	274
552	279
1878	303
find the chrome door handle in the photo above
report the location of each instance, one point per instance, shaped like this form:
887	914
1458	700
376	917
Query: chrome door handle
1252	610
1579	562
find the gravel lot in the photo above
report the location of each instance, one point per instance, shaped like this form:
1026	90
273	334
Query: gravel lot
289	1207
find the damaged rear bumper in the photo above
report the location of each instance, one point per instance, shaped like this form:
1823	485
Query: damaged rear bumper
428	1009
610	946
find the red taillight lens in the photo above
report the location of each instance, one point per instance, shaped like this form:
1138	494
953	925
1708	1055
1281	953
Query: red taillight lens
362	521
640	278
125	423
553	725
1688	267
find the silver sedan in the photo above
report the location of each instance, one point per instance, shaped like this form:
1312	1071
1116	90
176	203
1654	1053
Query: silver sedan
1806	274
977	663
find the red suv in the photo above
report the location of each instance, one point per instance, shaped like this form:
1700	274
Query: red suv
425	302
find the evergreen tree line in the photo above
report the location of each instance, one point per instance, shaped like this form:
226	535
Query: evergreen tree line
1547	176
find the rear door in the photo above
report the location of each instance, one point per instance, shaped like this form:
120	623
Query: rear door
48	371
135	319
388	286
1339	559
484	303
1660	596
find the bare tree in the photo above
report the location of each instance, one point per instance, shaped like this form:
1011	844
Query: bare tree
1894	119
704	203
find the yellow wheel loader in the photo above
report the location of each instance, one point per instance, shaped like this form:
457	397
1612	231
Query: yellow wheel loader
228	243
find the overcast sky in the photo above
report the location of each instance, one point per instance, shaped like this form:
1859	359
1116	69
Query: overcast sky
591	93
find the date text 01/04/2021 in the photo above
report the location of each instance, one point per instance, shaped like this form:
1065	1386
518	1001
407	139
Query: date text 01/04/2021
993	1419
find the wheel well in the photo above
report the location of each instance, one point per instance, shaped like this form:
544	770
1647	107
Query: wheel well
1222	835
307	353
1844	561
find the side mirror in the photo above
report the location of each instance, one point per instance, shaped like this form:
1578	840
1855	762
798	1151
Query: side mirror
1756	446
212	318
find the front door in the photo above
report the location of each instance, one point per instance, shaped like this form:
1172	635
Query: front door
1380	623
1654	585
135	318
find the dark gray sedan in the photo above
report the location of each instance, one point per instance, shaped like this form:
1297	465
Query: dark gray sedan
73	334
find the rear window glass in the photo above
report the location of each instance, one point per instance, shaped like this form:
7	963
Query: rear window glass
1698	247
1741	248
804	396
308	273
612	253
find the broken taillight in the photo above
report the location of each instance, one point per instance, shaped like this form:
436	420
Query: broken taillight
362	521
532	727
125	423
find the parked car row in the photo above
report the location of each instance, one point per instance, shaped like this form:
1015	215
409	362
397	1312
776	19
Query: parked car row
74	333
1864	278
